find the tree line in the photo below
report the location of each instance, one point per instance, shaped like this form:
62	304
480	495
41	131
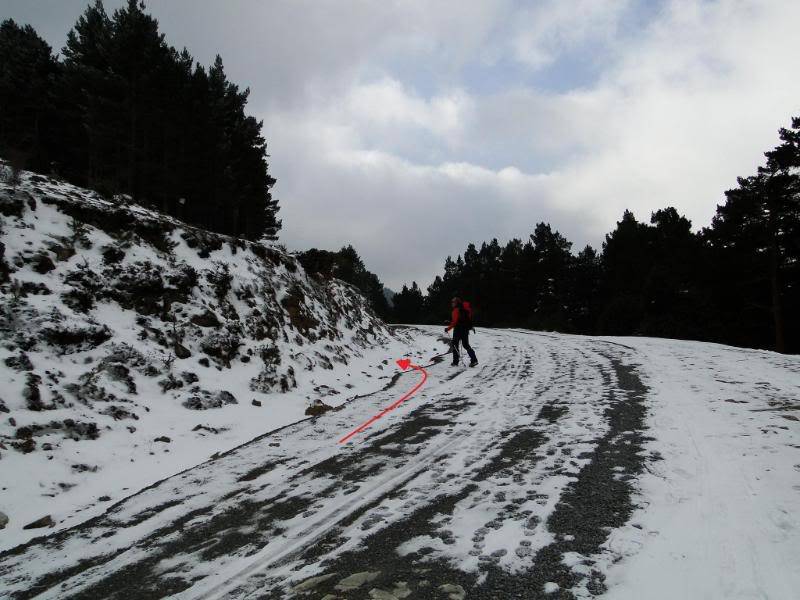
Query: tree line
122	112
736	281
347	265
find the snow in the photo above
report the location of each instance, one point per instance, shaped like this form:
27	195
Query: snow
717	502
122	461
715	507
720	511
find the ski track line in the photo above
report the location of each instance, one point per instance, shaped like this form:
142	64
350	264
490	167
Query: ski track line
84	580
515	365
331	518
265	558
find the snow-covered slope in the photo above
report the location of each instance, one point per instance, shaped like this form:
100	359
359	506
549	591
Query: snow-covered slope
562	467
132	346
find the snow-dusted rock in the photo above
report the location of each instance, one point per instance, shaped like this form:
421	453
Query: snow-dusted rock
40	523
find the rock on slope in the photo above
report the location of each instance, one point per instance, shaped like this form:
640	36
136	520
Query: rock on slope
118	324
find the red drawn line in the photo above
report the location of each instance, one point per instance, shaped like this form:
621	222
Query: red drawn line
404	364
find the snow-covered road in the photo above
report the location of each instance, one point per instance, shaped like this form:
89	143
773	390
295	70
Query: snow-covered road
561	467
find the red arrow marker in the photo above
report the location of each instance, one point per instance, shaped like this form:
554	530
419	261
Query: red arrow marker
403	363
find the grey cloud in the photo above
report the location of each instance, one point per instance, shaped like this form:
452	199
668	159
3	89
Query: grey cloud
685	103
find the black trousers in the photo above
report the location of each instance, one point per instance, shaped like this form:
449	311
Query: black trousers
462	336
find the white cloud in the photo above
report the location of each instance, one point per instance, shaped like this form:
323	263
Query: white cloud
381	136
386	104
691	101
548	28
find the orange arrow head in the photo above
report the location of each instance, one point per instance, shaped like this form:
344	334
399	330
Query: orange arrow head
404	363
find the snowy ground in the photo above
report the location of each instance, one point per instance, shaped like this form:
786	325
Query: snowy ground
122	463
721	516
133	346
561	467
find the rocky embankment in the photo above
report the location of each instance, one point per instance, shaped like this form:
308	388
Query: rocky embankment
125	333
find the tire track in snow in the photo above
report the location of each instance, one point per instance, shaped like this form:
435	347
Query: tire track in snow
275	517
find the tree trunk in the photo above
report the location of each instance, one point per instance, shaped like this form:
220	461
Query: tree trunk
132	156
777	311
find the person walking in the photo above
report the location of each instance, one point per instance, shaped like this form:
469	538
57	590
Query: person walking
461	323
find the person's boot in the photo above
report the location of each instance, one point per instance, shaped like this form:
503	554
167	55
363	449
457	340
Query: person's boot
473	362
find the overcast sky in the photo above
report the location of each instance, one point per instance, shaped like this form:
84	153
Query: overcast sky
411	128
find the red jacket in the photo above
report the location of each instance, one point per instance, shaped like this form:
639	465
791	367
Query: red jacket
454	317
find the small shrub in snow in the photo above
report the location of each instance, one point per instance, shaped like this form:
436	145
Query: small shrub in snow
213	430
207	318
10	205
87	392
222	346
270	380
119	373
170	382
76	338
270	355
127	355
182	278
68	428
82	468
86	288
5	270
79	234
203	400
318	408
62	252
42	263
189	378
21	362
118	413
30	288
203	241
112	254
139	286
220	279
323	361
299	314
32	395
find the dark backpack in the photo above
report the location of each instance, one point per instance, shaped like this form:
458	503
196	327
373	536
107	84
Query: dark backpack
465	316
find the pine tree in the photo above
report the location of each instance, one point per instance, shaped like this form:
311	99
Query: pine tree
627	258
512	301
583	291
91	103
347	265
125	113
757	231
409	305
551	260
27	72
